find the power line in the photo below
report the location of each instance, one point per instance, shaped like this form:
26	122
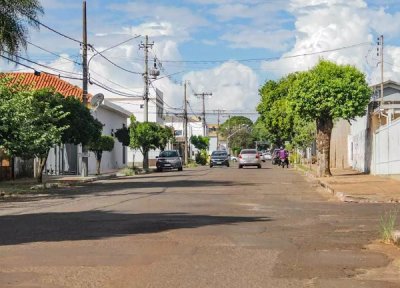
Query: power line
269	58
115	64
45	66
53	53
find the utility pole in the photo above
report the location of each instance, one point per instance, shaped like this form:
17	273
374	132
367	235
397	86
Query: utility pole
218	121
380	53
146	47
203	95
85	159
185	124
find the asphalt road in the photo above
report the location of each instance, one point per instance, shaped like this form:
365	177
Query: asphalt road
220	227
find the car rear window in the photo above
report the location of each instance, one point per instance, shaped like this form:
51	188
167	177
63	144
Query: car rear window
219	153
248	152
169	154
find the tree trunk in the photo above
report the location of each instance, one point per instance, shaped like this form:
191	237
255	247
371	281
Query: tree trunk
324	132
145	160
42	164
99	155
12	167
133	158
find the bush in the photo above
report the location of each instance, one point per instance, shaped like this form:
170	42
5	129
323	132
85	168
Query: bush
202	157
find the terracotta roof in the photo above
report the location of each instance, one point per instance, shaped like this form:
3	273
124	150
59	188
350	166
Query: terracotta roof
47	81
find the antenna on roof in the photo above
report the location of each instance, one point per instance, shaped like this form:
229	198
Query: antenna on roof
96	101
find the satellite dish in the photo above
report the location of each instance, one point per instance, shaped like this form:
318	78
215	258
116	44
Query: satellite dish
96	100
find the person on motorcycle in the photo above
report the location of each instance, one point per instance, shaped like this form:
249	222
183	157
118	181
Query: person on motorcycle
284	157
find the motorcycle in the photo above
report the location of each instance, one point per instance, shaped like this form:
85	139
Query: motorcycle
283	162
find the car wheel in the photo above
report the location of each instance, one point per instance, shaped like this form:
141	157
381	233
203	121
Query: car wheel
227	165
259	166
211	166
180	168
159	170
240	166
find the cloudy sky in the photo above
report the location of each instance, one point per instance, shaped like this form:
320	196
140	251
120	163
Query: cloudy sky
227	47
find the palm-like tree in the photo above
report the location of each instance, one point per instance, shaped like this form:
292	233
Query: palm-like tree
15	18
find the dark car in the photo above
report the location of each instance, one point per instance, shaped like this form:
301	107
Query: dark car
219	158
169	159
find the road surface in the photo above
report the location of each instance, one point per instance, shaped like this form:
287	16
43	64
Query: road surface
220	227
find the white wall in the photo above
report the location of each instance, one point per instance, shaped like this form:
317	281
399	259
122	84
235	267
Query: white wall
113	160
386	152
357	143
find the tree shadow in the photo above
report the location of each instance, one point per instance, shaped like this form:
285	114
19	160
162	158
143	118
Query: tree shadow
115	185
98	224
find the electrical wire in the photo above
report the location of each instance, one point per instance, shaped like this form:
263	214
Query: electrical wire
115	64
53	53
45	66
270	58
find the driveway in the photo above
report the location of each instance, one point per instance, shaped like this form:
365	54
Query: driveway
219	227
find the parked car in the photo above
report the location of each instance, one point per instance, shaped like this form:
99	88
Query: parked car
266	155
249	157
169	159
219	158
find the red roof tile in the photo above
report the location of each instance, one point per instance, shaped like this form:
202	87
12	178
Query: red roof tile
47	81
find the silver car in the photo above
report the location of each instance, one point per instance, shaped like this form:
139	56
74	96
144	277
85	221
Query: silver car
249	157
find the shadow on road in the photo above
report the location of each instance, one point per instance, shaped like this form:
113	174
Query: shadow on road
50	227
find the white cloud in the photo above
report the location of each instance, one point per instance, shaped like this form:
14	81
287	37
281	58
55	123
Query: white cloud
329	24
278	40
234	86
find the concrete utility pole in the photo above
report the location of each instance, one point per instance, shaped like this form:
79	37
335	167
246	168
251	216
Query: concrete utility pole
145	46
380	53
218	121
85	159
185	124
203	95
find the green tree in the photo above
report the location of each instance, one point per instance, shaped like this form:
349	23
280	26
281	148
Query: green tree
14	15
122	135
145	137
98	146
238	131
325	93
82	126
166	134
200	142
30	122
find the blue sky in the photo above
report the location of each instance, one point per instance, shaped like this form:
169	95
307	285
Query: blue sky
217	34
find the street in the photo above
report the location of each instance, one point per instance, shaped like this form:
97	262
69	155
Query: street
202	227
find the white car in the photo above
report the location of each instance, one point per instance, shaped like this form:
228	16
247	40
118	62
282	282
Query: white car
266	156
249	157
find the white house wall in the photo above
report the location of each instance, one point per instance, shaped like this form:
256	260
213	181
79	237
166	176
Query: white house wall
115	159
358	133
386	152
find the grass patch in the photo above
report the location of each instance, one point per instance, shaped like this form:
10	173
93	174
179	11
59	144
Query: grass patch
18	187
192	164
387	225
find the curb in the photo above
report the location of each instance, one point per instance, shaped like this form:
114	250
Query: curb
341	196
87	180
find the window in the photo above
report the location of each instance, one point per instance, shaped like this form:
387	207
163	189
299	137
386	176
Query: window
141	106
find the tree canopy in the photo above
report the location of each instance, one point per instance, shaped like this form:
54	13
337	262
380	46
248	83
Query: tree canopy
238	131
200	142
15	16
146	136
98	146
278	122
326	93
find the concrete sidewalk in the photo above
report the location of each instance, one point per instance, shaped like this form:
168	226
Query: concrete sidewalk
352	186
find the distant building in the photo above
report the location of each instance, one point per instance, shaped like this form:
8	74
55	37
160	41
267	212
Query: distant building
136	107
